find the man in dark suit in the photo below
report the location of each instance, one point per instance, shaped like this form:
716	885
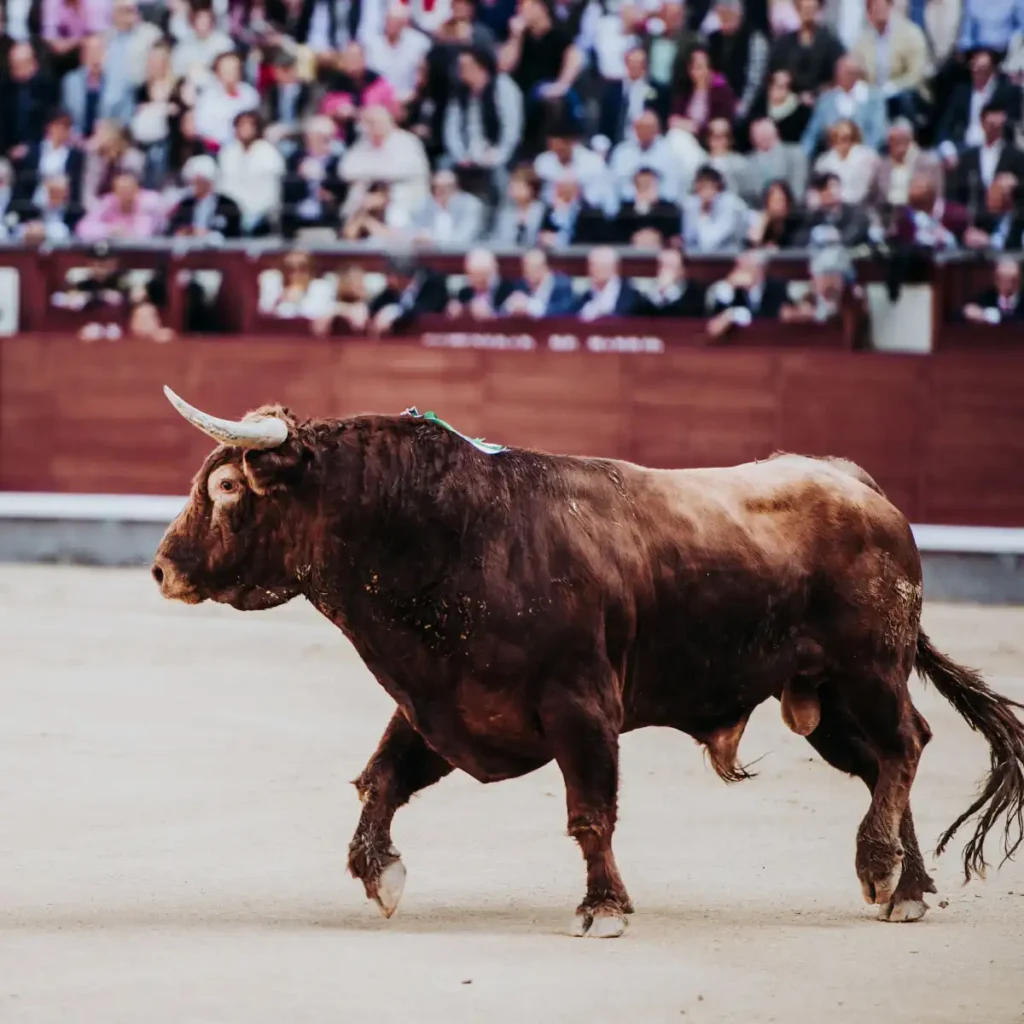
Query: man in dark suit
1000	226
542	292
51	215
960	126
649	221
746	295
54	155
569	220
312	191
673	295
979	166
828	214
205	213
624	101
286	101
27	96
411	291
1002	304
608	294
485	292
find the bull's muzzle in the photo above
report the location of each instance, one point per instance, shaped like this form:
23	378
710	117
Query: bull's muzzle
172	583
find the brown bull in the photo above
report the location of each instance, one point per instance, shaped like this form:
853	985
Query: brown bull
522	607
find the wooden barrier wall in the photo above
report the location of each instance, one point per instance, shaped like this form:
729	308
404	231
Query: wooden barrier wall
943	434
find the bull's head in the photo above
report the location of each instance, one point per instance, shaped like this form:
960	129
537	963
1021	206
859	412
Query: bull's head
235	541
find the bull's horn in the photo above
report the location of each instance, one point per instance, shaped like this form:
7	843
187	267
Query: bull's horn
258	432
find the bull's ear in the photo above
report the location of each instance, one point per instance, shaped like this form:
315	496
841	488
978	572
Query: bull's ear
276	469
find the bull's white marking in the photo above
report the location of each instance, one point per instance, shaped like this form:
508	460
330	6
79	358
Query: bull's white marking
602	925
903	912
390	887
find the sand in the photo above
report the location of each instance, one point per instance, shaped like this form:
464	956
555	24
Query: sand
175	811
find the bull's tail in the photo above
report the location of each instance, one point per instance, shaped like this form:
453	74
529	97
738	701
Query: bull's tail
993	715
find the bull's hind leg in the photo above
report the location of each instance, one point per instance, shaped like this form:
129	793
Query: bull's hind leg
844	743
402	765
584	739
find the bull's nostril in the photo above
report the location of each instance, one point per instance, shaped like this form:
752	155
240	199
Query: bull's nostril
158	574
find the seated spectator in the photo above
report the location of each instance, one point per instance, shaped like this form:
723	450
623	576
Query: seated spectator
89	94
852	162
569	219
461	33
894	54
411	291
129	40
484	293
928	222
483	122
158	102
668	39
251	173
810	53
852	99
287	99
828	215
542	292
1002	304
7	200
890	185
608	33
422	115
704	97
1000	226
183	143
713	220
979	165
565	154
194	56
51	215
625	100
773	160
395	54
376	218
790	113
126	212
831	274
313	190
960	127
56	154
388	154
608	294
990	24
649	221
203	212
746	295
450	216
777	224
646	148
739	50
27	95
735	169
302	294
221	100
351	311
101	284
673	294
353	87
68	23
517	222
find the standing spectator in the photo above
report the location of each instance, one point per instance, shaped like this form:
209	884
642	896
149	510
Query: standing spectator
128	42
251	170
777	223
647	148
705	96
194	56
483	123
484	292
746	295
979	165
352	88
542	292
713	220
221	100
395	54
66	23
450	216
625	100
107	154
410	291
781	105
828	217
569	219
990	24
894	54
313	189
740	52
850	160
960	128
648	221
1000	226
608	294
673	295
126	212
55	155
773	160
51	216
287	100
1002	304
26	97
903	161
157	101
388	154
614	33
852	99
668	41
88	92
518	220
809	54
734	168
565	154
204	212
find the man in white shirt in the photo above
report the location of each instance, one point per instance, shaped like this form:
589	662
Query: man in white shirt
1002	303
395	54
566	154
647	148
979	167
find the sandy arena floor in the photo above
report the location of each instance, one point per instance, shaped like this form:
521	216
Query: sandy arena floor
175	811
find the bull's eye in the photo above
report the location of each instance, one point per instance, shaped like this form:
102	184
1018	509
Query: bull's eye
227	485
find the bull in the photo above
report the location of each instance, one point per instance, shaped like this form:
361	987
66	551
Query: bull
521	607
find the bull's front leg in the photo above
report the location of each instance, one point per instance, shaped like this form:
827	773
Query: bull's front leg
402	765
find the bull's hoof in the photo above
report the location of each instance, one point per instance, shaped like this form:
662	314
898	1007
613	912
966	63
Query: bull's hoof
903	911
880	891
390	887
599	923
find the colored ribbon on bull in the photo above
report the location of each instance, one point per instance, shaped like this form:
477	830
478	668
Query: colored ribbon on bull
477	442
